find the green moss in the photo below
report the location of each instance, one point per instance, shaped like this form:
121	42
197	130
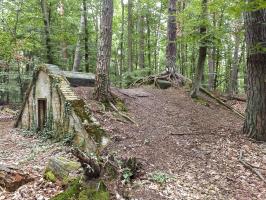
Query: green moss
77	191
49	176
94	130
93	194
71	193
121	106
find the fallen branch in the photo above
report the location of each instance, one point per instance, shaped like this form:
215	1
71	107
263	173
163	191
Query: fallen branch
250	167
221	102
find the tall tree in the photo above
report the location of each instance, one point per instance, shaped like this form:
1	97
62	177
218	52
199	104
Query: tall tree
86	37
141	41
122	40
46	20
255	122
77	58
129	35
104	53
171	34
202	51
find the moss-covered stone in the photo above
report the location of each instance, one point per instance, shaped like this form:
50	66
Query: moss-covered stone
49	176
63	169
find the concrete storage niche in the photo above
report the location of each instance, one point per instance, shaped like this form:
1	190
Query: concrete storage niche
42	113
52	107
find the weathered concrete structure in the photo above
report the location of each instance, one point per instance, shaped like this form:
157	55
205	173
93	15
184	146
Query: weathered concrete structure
51	106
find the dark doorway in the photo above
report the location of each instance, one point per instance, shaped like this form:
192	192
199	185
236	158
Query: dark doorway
42	110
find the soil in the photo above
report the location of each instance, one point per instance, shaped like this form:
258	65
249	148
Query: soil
196	143
194	146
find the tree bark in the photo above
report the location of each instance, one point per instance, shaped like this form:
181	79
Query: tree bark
46	20
129	37
171	34
77	57
86	37
202	52
141	42
211	64
255	122
122	42
233	88
104	53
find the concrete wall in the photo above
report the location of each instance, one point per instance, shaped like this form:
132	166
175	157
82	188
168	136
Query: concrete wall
61	117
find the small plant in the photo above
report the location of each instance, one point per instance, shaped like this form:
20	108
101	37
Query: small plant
126	175
68	138
159	177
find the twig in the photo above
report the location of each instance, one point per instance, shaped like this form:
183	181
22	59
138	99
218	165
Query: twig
250	167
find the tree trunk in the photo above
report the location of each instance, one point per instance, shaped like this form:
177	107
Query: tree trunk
122	42
46	20
211	65
86	37
104	52
141	42
202	52
255	122
234	72
171	34
148	40
77	57
129	37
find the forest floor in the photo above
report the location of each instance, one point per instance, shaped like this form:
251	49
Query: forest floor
192	145
188	149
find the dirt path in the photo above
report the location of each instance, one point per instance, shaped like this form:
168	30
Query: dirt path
197	145
31	155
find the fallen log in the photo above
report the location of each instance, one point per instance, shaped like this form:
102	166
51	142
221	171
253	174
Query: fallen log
11	178
221	102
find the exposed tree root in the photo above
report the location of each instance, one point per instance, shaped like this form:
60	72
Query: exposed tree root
175	79
252	168
122	114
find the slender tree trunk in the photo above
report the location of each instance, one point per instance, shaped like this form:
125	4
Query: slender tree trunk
104	53
122	43
171	34
77	57
211	64
255	122
86	36
234	72
141	42
157	44
148	40
46	20
129	37
202	53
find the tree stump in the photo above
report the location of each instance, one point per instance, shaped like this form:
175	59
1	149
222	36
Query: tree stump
11	178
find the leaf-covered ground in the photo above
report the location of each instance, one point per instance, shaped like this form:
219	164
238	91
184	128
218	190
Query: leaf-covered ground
26	152
195	144
188	149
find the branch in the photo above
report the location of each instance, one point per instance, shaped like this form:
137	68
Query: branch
250	167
